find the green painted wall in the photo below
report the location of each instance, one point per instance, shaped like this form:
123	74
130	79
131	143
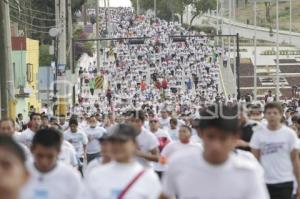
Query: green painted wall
19	68
19	64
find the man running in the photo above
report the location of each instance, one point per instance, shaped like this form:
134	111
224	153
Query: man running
50	178
214	172
275	146
123	178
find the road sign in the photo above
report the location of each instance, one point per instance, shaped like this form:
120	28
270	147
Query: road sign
99	82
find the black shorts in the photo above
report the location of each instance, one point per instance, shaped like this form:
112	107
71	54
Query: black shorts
281	190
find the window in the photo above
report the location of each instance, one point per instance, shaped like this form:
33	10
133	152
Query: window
29	73
14	72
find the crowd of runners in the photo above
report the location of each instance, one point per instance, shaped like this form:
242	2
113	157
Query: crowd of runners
155	70
161	130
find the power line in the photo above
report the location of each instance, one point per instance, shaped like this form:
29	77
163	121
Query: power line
26	23
33	17
36	31
33	10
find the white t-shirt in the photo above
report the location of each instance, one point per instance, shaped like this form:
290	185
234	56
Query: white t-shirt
77	139
26	137
62	182
164	123
174	134
275	152
270	99
146	142
92	165
93	135
177	146
196	139
68	154
23	146
190	176
113	177
64	126
162	137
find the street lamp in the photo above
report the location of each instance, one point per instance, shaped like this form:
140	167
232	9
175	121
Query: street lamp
54	32
277	41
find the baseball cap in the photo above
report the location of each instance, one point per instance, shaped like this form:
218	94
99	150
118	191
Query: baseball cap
122	132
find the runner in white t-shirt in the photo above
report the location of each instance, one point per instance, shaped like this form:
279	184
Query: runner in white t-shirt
105	158
93	133
67	154
173	129
184	144
7	126
35	123
275	146
124	177
49	178
79	140
164	120
147	143
220	173
163	139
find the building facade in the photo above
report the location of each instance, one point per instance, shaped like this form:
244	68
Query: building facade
25	60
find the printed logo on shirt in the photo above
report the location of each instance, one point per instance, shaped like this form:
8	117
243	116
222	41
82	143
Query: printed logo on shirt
115	193
40	194
271	148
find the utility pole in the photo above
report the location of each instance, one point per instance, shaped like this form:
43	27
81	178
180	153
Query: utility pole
291	18
70	47
98	34
70	34
62	57
255	51
277	52
218	28
155	5
6	73
137	7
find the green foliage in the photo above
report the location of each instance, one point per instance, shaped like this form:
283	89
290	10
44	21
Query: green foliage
91	3
167	8
82	47
45	57
202	6
76	4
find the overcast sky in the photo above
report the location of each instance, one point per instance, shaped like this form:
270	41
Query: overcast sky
117	3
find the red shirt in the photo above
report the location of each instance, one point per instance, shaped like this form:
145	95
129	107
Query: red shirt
164	84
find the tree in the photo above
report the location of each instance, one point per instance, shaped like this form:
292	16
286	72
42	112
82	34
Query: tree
202	6
165	9
268	11
82	47
180	6
45	57
146	4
